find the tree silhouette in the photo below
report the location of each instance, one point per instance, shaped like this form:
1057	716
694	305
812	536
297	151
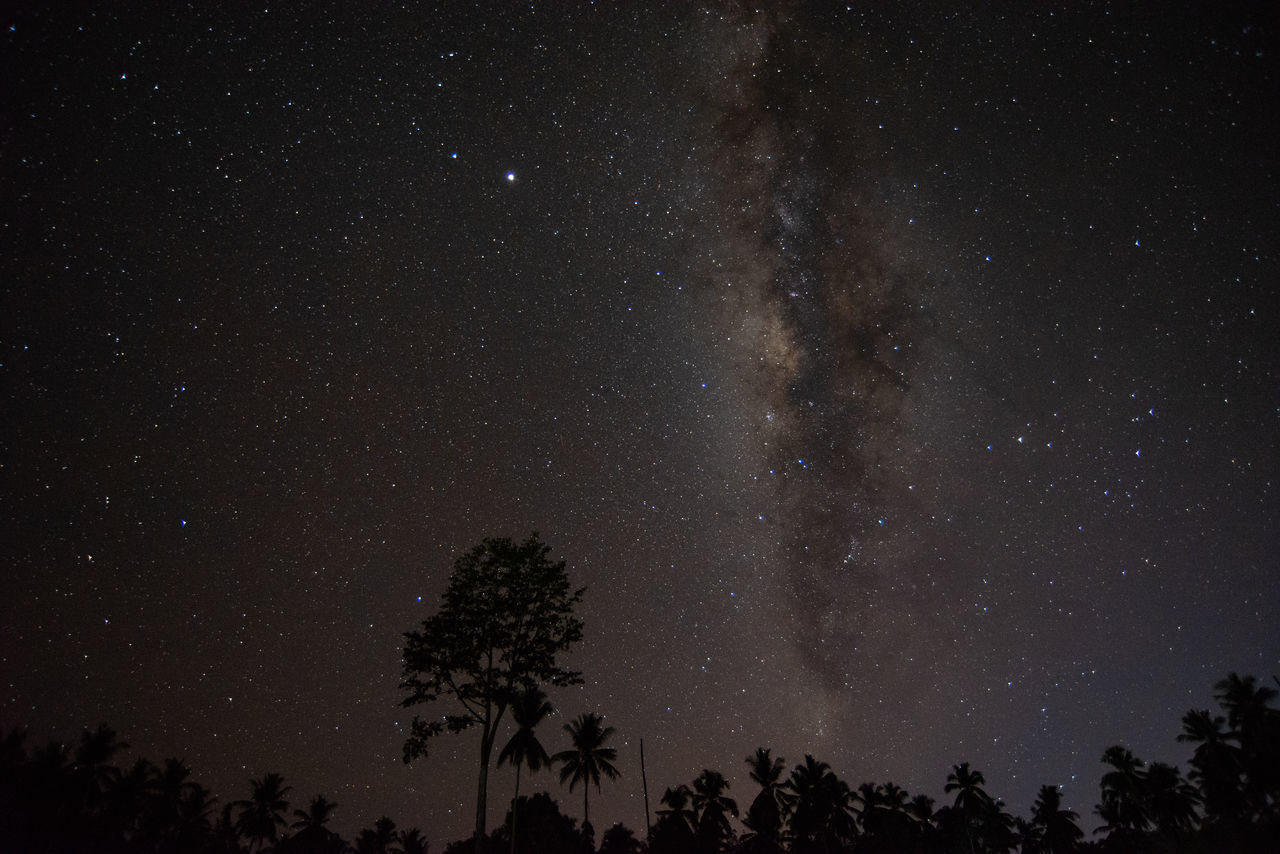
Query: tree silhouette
412	841
1255	727
312	837
996	828
1122	809
505	615
544	829
620	839
226	831
1170	802
124	803
972	802
889	817
263	813
1057	829
764	816
379	839
921	808
75	799
673	833
176	808
91	770
317	813
194	826
713	809
588	758
1246	703
1215	765
529	709
821	818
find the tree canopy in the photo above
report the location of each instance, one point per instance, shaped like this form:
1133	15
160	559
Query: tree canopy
505	616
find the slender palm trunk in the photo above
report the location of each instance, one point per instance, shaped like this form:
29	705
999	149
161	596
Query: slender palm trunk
585	819
515	799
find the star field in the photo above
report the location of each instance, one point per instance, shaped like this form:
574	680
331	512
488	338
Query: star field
900	384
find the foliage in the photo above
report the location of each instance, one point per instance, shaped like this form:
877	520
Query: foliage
378	839
821	815
713	808
620	839
75	798
263	814
317	814
541	827
764	816
529	709
588	758
505	615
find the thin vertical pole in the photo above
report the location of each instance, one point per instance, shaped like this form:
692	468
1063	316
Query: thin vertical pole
648	828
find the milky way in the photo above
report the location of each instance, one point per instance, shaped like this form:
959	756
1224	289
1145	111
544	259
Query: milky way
827	303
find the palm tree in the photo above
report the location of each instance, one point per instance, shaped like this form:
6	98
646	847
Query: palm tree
1215	764
1245	701
1123	807
921	808
889	816
412	841
997	829
226	831
673	831
1255	727
588	758
171	788
713	810
822	817
317	813
972	801
129	805
529	709
764	816
92	769
1057	828
193	828
378	840
620	839
1171	801
679	800
263	812
311	835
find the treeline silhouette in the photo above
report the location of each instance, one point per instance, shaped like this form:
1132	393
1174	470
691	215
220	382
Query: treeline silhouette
73	798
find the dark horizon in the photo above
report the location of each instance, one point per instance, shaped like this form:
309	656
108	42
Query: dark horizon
49	779
900	383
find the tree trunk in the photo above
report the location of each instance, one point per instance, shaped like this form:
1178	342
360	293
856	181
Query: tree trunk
514	800
486	747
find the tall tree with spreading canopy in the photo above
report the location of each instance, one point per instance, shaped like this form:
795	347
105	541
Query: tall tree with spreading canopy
505	615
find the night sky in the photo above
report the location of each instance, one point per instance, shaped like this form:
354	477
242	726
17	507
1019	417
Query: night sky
902	385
